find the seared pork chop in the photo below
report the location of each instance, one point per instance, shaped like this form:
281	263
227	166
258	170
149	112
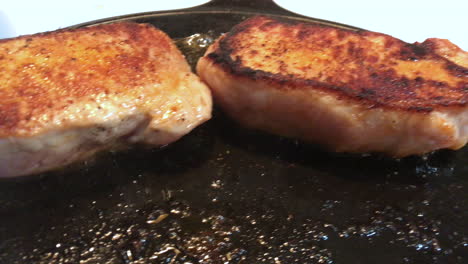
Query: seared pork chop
349	90
67	94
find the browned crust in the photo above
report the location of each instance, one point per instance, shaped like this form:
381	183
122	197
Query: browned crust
43	74
375	82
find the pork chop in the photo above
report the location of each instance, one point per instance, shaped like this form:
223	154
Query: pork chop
348	90
68	94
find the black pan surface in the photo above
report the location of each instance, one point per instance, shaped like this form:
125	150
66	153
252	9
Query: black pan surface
224	194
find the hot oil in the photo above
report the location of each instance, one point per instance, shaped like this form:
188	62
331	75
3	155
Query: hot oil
224	194
194	46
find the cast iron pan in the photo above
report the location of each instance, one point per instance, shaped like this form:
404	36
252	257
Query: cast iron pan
224	194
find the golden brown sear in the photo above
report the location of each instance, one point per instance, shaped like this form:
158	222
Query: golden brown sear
351	90
69	93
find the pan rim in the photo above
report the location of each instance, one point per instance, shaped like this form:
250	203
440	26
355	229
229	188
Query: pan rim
156	14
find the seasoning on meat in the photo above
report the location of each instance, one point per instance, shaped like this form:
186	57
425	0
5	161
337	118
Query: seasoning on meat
67	94
349	90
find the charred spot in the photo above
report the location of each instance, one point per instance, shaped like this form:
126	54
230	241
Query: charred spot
438	84
257	74
238	61
405	54
282	81
428	45
302	34
422	109
388	75
318	84
214	56
419	50
366	93
457	70
375	85
403	82
413	52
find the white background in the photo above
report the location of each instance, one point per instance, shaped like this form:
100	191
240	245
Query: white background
409	20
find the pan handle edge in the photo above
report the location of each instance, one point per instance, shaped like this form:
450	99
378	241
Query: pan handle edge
267	6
